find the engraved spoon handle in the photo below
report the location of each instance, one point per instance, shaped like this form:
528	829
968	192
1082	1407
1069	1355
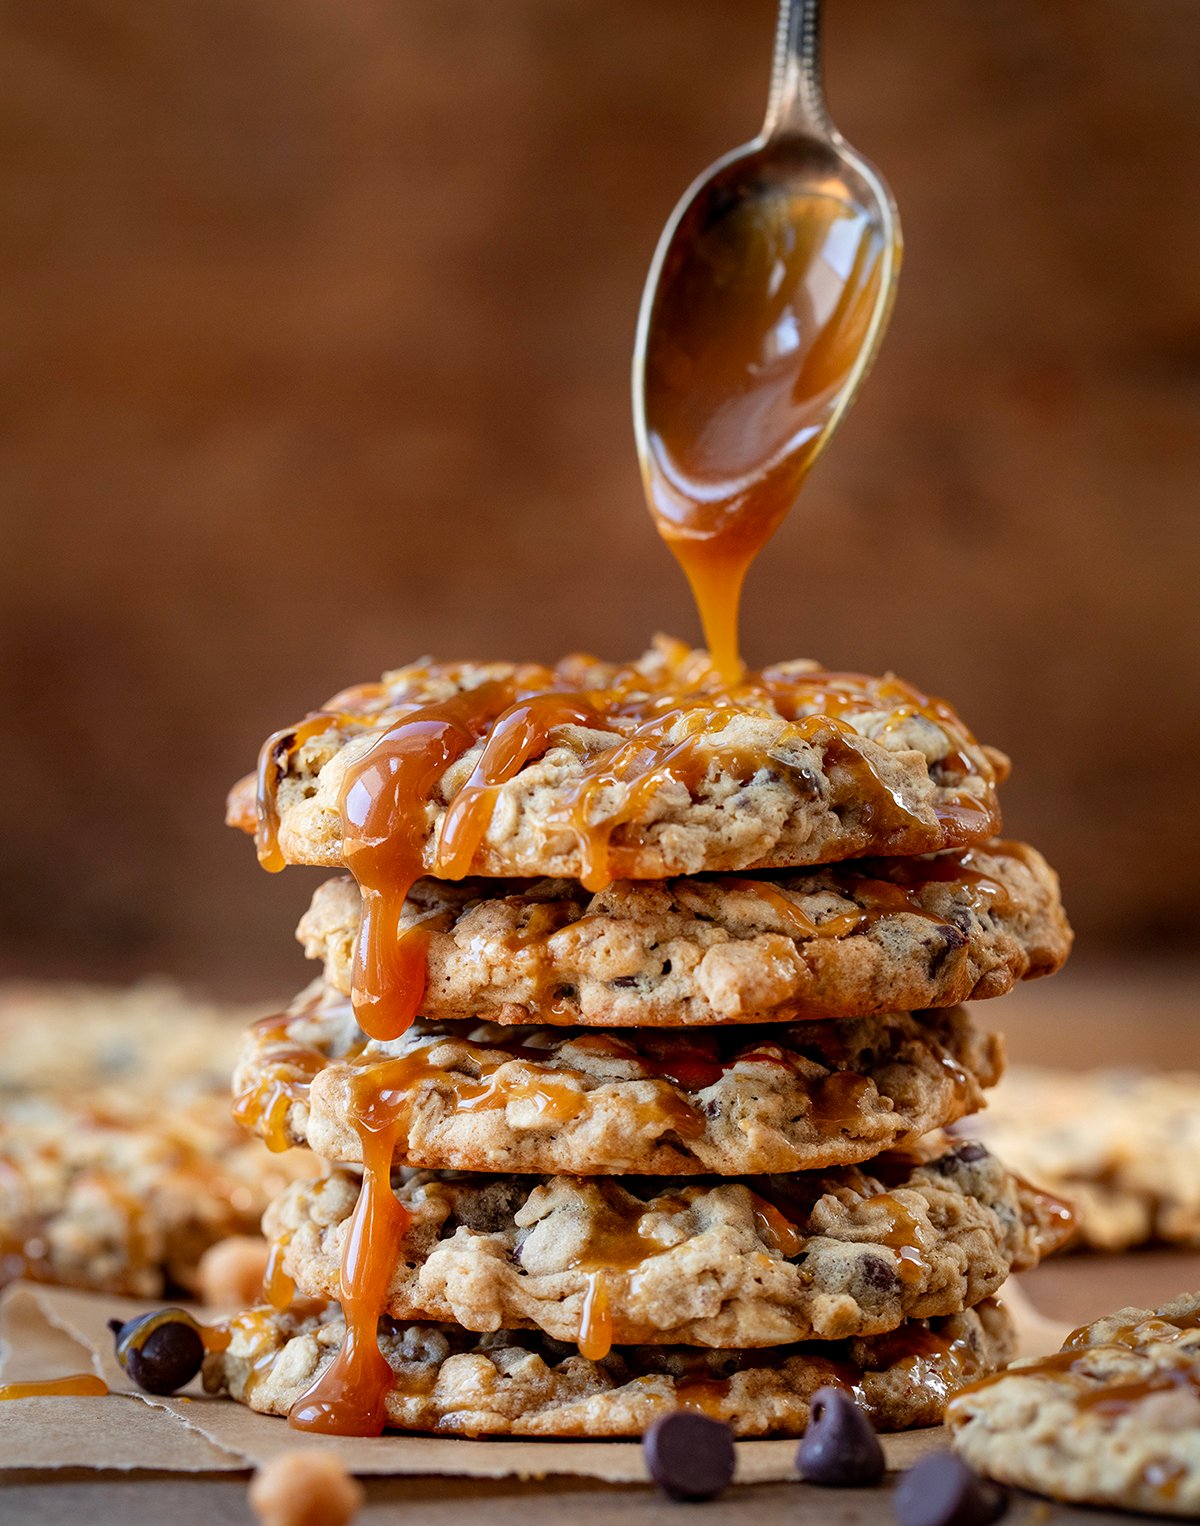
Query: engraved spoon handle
796	107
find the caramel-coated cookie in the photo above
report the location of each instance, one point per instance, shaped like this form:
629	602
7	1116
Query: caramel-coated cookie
595	772
763	1262
1113	1419
520	1383
843	941
730	1101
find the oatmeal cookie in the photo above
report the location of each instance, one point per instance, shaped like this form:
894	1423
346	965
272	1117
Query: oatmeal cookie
119	1162
821	1255
1122	1145
731	1101
520	1383
846	941
124	1196
596	772
1113	1419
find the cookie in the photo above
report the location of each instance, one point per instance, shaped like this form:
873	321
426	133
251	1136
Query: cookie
119	1162
125	1198
595	772
1113	1419
731	1101
823	1256
519	1383
844	941
1123	1146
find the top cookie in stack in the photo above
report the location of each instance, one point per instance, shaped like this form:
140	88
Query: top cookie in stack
699	923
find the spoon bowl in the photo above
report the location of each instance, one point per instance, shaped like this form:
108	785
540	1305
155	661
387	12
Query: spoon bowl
764	307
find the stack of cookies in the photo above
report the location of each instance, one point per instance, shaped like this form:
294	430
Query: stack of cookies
666	1128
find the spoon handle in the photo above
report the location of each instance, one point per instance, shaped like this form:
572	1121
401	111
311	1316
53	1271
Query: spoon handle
797	102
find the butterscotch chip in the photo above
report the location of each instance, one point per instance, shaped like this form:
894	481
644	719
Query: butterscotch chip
843	941
1122	1145
659	772
1113	1419
735	1100
520	1383
230	1273
761	1262
305	1489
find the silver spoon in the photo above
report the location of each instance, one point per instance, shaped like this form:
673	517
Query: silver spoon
764	307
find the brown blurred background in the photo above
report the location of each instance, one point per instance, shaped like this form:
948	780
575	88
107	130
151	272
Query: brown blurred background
317	326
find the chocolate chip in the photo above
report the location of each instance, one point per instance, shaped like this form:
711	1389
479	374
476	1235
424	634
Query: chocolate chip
877	1273
688	1455
941	1490
840	1449
947	940
971	1150
160	1351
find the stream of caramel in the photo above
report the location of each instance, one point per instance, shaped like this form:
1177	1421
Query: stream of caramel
762	311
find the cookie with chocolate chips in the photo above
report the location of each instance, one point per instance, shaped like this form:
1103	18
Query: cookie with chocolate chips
725	1263
850	940
520	1383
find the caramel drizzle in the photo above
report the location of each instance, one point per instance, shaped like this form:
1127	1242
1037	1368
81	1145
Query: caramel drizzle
382	804
212	1337
1072	1367
83	1385
278	1286
350	1396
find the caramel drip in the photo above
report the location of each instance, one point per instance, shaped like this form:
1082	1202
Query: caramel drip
760	320
1059	1216
708	1395
83	1385
278	1286
595	1322
799	924
521	733
904	1236
383	803
272	764
287	1071
1121	1398
776	1228
350	1396
622	1249
838	1099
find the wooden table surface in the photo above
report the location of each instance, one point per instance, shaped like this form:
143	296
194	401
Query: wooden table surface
1110	1019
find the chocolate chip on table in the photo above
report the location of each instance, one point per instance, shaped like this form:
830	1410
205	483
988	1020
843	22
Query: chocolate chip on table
160	1351
840	1448
941	1490
688	1455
